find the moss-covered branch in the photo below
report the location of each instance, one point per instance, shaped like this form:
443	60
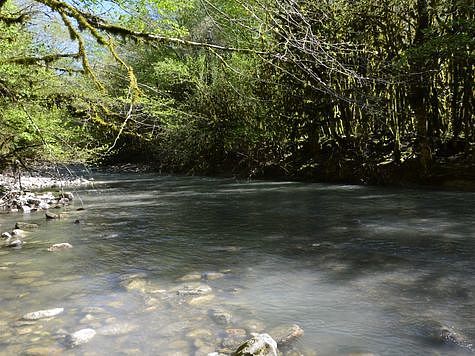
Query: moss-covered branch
40	59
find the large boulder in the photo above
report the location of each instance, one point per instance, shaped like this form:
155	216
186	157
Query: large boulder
259	345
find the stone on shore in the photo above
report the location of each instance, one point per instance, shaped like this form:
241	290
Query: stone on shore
67	195
60	247
80	337
26	226
259	345
42	314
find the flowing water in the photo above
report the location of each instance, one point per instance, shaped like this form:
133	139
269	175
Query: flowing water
362	270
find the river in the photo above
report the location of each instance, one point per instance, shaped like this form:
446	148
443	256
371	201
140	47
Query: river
363	270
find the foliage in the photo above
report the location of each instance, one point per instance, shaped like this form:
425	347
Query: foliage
330	89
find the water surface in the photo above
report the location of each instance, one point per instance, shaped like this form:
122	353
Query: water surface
360	269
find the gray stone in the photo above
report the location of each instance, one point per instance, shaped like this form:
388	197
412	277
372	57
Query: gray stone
41	314
80	337
259	345
51	216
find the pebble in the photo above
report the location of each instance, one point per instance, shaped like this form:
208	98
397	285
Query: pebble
80	337
41	314
60	247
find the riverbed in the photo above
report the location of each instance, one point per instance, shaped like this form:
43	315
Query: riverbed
362	270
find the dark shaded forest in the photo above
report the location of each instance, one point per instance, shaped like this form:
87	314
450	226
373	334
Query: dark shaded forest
365	91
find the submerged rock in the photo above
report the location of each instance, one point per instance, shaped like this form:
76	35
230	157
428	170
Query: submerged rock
190	277
137	284
259	345
203	299
41	314
199	289
79	337
450	336
43	351
210	276
117	329
60	247
220	316
285	335
26	226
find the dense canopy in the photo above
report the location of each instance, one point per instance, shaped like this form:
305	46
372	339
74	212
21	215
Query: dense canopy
366	90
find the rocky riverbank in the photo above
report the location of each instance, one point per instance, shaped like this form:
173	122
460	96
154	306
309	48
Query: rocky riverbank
28	194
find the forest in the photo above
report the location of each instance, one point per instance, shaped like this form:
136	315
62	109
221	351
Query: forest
359	91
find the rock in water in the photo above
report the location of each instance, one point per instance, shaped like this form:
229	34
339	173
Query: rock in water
41	314
18	233
6	235
199	289
14	243
80	337
220	316
259	345
25	226
60	247
450	336
285	335
51	216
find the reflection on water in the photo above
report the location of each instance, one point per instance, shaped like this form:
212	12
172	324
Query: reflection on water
361	270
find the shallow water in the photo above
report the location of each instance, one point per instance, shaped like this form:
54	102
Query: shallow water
360	269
